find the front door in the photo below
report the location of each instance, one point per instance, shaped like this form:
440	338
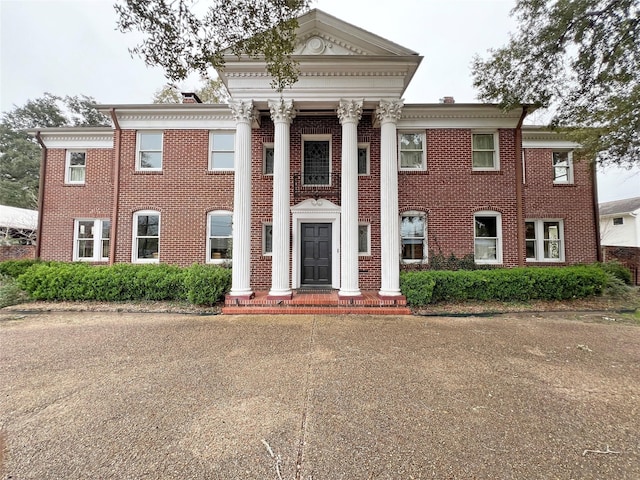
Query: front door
316	254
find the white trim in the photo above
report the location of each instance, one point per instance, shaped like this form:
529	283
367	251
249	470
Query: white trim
570	179
425	251
423	166
539	240
97	239
317	138
316	211
67	167
139	133
134	231
496	151
217	213
367	253
498	217
367	146
212	134
76	139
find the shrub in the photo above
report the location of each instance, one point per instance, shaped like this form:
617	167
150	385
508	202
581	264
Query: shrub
15	268
206	284
10	291
417	287
618	270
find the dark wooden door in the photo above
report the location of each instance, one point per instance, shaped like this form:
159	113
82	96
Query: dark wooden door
316	254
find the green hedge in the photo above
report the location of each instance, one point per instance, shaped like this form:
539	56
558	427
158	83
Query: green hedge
125	282
15	268
513	284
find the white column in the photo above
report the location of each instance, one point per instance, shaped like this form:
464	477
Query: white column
244	114
282	113
349	113
388	114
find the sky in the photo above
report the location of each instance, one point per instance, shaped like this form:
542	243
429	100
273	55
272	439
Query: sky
72	47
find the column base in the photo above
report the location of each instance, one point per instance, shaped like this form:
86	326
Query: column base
390	294
347	294
278	295
242	295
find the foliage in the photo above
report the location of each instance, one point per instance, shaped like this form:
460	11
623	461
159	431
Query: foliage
15	268
618	270
10	291
211	91
20	152
583	59
206	284
514	284
181	36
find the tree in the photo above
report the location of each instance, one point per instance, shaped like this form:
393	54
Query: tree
20	153
182	37
211	91
581	58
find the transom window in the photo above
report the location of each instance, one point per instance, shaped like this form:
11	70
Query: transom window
618	221
267	158
412	152
364	239
544	240
562	167
267	239
219	236
487	237
91	240
412	233
316	168
149	155
363	159
485	151
222	148
76	166
146	237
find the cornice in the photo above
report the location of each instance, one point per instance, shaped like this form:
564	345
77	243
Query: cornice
77	139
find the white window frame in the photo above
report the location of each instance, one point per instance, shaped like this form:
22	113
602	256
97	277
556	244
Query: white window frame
367	147
265	147
139	151
68	167
97	240
212	134
317	138
134	246
496	151
569	167
264	239
366	253
425	253
217	213
423	166
540	240
498	238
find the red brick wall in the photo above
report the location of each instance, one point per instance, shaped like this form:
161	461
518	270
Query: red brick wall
628	256
17	252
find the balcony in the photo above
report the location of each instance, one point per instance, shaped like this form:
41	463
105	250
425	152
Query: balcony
316	185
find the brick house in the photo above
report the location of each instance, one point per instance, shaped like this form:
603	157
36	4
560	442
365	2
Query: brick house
334	184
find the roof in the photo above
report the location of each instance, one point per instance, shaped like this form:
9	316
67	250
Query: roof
627	205
18	218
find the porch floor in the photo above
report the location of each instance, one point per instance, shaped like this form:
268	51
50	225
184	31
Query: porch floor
323	302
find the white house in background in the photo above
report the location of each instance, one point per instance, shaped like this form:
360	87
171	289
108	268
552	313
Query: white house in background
620	223
17	225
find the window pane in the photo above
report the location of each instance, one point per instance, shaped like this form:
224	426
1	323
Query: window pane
77	158
486	249
411	141
268	160
148	225
363	238
222	159
486	227
150	160
85	248
151	141
220	248
561	158
362	161
223	141
105	249
412	226
76	174
530	230
147	248
531	249
483	141
412	251
85	229
483	159
561	174
268	239
220	225
410	159
106	228
316	162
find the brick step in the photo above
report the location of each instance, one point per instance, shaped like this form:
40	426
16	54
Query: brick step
313	310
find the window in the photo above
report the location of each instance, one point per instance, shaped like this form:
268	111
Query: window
91	240
76	168
267	239
146	237
562	167
618	221
222	147
485	151
267	158
316	166
544	240
412	233
219	236
487	239
412	151
363	159
364	245
149	155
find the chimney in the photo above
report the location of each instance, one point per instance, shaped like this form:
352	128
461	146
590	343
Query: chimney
448	100
190	97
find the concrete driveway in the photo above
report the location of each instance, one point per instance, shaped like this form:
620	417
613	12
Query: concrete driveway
167	396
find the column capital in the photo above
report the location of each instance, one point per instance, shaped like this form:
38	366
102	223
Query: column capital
243	111
389	110
349	110
282	110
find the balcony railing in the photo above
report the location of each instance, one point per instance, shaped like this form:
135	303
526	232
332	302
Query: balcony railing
316	185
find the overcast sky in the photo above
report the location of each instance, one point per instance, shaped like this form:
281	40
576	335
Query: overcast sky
71	47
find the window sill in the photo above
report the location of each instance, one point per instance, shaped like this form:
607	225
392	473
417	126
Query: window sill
75	184
220	172
486	172
564	184
148	172
412	172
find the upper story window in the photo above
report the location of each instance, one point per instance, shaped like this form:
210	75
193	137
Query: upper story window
413	229
219	236
149	151
488	237
222	147
562	167
412	151
316	164
91	240
618	221
363	159
76	167
485	151
146	237
267	158
544	240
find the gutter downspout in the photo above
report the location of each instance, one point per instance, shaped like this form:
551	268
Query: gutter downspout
43	169
116	188
519	188
596	209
